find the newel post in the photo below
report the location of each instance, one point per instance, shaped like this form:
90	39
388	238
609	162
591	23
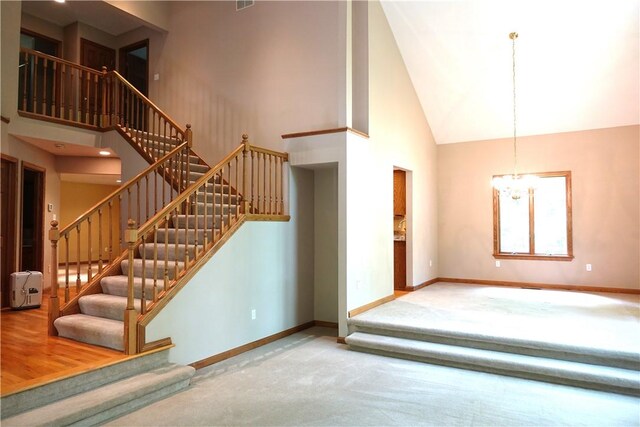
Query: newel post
104	122
130	314
188	134
245	173
54	303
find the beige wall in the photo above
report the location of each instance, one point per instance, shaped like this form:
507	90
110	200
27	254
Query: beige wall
604	165
266	70
75	199
325	255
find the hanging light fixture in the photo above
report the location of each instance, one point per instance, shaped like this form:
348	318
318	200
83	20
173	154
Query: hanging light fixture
514	185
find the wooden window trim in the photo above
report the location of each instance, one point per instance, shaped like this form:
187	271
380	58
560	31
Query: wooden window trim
533	256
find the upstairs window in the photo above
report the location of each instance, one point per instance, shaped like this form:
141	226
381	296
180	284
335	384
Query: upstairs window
538	224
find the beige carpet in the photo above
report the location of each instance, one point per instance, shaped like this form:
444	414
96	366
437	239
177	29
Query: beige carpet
308	379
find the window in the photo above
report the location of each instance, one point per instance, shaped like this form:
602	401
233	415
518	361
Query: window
537	226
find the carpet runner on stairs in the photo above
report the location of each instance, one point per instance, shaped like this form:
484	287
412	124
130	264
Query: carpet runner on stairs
100	321
99	395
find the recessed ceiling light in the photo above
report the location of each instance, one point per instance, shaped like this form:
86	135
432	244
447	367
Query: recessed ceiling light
104	153
59	1
60	146
118	181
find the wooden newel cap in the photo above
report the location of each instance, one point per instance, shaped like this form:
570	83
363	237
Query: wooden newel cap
104	69
245	137
131	223
188	126
54	223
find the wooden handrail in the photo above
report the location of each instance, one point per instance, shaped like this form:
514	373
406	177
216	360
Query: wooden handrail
59	60
146	100
123	188
284	156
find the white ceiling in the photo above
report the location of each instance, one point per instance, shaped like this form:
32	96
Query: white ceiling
577	64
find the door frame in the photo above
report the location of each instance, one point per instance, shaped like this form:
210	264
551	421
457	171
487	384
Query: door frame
39	238
122	52
9	246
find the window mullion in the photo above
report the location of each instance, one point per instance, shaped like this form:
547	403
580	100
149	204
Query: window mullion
532	233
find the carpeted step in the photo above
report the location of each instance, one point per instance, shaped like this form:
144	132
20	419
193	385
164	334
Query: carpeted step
539	368
196	167
48	392
171	234
117	285
148	248
217	208
210	197
502	343
112	400
182	221
106	306
92	330
149	270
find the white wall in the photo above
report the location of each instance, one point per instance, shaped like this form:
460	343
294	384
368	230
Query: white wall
266	266
266	70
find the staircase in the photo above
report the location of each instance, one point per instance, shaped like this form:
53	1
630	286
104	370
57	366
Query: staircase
178	212
101	317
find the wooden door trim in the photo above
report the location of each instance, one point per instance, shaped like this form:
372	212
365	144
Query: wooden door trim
40	204
9	249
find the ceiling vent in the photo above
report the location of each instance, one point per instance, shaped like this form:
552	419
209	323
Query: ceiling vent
243	4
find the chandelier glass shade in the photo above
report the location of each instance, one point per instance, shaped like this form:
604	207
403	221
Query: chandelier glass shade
514	185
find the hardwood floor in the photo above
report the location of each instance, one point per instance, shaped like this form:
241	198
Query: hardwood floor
31	357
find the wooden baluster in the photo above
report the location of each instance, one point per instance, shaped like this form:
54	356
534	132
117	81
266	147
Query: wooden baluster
175	253
100	254
253	161
228	194
144	274
78	280
195	244
63	76
129	202
245	174
138	201
66	268
236	204
25	66
54	108
270	184
205	231
264	183
130	314
90	254
146	196
86	82
120	232
166	249
111	230
189	135
72	99
34	104
276	186
281	186
54	303
45	63
155	261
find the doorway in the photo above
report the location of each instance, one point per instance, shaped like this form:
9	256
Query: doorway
399	230
37	72
8	182
32	218
134	65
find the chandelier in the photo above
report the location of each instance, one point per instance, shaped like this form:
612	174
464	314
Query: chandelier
514	185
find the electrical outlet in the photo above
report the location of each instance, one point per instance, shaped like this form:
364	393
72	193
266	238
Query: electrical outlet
588	267
253	314
498	263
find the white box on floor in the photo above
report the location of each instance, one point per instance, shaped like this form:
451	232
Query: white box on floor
26	290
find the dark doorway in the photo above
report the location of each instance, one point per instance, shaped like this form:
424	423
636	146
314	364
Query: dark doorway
134	65
32	218
8	182
94	55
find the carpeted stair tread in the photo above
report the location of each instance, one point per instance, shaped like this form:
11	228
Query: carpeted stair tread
148	248
190	221
217	207
171	234
554	370
106	306
490	341
92	330
112	400
117	285
150	272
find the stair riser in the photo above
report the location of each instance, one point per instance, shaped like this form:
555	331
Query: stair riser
182	221
147	250
151	273
513	371
217	197
120	288
495	344
78	331
210	208
106	310
183	236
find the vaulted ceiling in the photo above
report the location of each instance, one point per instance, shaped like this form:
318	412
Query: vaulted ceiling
577	64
